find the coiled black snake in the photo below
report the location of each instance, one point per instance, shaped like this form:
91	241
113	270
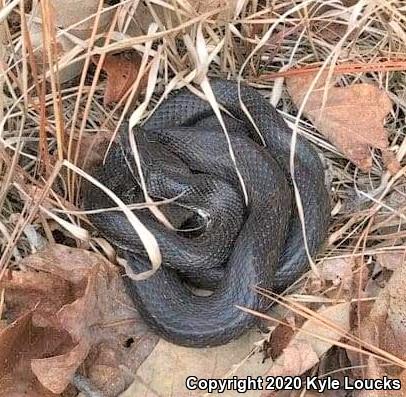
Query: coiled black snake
236	247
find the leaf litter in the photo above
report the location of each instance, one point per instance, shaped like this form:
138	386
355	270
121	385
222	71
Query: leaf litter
122	70
79	297
72	315
350	117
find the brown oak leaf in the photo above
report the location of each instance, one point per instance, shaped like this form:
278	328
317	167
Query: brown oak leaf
79	313
352	118
122	71
385	325
339	271
391	260
315	337
93	148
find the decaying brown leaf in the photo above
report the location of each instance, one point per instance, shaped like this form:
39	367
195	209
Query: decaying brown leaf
55	373
203	6
338	271
20	342
76	12
385	325
279	340
375	371
164	372
122	70
92	148
305	348
339	315
351	117
391	260
296	359
66	13
79	297
330	30
63	46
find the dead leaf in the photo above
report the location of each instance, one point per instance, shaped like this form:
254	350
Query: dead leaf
72	12
335	364
349	3
339	315
339	271
375	371
386	322
305	348
384	327
92	148
141	18
8	337
329	29
31	290
279	340
296	359
55	373
122	71
391	260
63	46
165	370
202	6
361	278
66	13
78	295
390	162
351	117
20	341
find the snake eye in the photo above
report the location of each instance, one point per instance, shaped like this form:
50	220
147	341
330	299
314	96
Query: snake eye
199	291
196	224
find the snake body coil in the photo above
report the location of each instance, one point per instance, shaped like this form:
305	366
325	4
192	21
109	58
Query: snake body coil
184	152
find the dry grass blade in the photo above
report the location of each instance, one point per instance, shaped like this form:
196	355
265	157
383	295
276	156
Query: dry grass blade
369	350
135	119
6	10
146	237
307	313
203	61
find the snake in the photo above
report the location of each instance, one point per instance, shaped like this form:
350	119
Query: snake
228	190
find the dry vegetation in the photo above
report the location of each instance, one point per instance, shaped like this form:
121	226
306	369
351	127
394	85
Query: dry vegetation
56	120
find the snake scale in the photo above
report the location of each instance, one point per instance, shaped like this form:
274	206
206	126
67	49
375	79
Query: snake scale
220	240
